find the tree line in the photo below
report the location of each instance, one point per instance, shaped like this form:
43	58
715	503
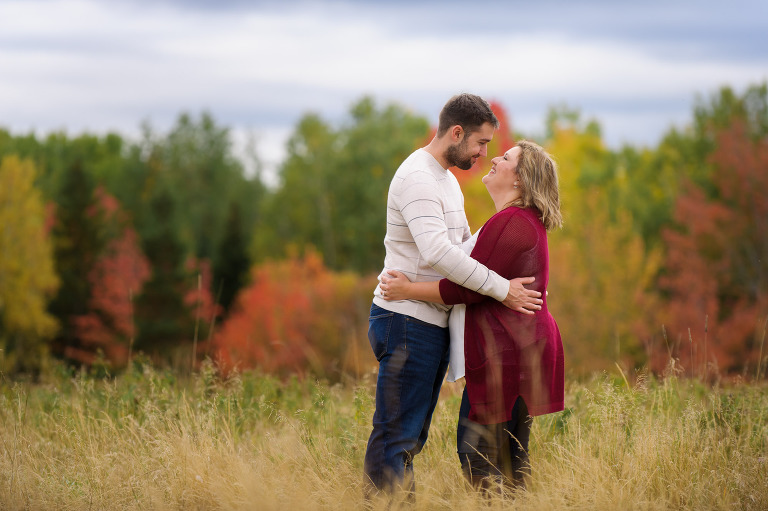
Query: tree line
164	247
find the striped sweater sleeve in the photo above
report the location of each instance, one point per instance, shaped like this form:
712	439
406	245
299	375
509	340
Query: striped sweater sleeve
423	209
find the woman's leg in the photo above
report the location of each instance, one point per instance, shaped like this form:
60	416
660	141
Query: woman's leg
477	447
514	445
494	453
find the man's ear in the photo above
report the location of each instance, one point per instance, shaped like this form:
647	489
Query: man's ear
456	133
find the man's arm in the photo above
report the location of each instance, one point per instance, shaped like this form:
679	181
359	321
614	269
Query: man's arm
421	205
396	286
503	245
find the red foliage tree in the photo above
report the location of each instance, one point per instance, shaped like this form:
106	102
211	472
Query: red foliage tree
717	265
118	274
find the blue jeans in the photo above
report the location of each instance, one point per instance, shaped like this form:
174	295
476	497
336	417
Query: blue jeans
413	358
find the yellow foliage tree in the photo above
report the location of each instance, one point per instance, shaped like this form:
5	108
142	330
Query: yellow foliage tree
601	272
27	275
600	276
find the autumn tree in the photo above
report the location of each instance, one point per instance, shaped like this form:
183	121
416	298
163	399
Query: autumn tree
80	237
297	316
657	176
679	184
27	276
717	259
117	275
601	271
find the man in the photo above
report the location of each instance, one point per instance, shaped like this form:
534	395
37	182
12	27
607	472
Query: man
425	224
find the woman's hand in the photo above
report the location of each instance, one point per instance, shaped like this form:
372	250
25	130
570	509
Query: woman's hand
395	286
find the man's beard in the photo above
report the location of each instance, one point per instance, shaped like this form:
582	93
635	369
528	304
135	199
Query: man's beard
456	156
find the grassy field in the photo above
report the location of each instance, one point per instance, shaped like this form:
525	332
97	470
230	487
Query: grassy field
149	440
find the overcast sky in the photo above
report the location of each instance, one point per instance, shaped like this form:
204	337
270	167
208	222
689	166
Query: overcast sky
257	66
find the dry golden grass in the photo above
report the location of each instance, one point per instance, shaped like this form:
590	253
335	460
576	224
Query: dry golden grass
147	440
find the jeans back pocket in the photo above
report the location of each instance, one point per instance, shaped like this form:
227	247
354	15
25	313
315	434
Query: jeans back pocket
379	326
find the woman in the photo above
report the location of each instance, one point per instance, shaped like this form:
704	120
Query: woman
513	361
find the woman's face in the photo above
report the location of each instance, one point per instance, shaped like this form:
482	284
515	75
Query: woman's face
503	174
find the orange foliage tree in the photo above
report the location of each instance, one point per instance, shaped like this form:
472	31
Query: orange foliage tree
296	316
717	261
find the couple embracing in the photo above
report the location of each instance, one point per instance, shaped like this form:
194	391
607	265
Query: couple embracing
502	339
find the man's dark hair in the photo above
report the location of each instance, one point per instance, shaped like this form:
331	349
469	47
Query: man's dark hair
468	111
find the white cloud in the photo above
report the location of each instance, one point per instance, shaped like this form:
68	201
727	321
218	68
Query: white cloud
108	65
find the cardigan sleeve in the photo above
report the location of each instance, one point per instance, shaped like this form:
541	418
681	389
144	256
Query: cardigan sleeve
501	245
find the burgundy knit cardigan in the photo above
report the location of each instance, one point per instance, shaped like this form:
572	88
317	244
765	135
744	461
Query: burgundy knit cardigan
507	353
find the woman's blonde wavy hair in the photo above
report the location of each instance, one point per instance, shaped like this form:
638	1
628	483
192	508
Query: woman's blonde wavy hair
537	174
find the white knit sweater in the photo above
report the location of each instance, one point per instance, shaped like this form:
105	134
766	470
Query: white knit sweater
425	225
